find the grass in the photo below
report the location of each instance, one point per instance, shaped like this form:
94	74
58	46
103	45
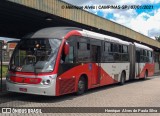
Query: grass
4	70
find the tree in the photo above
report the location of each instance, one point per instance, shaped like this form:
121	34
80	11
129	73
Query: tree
158	38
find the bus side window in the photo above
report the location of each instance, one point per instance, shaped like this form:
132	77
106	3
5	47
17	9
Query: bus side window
138	55
69	57
150	56
83	51
125	54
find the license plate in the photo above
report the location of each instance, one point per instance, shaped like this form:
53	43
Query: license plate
23	89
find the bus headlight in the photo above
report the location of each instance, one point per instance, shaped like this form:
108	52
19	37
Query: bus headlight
46	82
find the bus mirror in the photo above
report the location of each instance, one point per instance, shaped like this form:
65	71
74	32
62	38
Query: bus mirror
66	48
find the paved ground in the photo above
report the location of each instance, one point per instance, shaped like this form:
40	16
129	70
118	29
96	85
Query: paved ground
137	93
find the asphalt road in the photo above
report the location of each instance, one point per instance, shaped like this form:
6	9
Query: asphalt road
137	93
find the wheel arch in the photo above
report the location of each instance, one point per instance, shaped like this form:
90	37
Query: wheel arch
146	72
86	79
124	71
122	77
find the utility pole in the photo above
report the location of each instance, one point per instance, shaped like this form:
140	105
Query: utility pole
1	45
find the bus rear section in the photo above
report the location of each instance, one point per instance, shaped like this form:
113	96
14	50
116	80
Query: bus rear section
144	61
141	61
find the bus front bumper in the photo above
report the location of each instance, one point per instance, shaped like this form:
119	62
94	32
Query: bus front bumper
38	89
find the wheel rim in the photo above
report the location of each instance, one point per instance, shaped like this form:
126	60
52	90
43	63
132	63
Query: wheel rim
123	80
145	76
81	85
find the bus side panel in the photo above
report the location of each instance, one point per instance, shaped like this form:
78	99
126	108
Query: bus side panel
106	74
67	82
150	68
105	78
143	67
113	71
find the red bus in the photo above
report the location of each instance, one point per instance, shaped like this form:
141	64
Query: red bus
61	60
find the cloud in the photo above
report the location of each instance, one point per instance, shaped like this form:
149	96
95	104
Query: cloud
154	24
145	22
77	2
113	2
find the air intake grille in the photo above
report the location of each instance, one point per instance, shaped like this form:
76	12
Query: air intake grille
67	86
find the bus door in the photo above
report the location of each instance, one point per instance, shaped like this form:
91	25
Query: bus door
133	58
96	66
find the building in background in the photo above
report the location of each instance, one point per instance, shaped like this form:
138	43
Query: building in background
7	52
7	49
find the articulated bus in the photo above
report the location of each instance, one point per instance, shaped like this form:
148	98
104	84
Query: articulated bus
62	60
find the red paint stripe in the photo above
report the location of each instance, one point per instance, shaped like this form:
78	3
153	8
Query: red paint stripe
71	33
25	80
30	73
149	67
77	71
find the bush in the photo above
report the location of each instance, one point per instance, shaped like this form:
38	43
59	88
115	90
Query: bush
4	70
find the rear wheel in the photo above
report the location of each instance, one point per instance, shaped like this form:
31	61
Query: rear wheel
81	86
122	81
145	75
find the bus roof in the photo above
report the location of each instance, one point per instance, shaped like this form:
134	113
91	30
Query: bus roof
103	37
52	32
143	46
60	32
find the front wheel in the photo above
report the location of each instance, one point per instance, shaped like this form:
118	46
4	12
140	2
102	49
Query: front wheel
81	86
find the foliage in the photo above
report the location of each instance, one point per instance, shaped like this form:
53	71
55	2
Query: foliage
158	38
4	70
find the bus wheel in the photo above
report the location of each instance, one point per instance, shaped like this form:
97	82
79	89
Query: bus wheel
81	86
145	75
122	81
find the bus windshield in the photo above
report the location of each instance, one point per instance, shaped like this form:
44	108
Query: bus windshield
35	55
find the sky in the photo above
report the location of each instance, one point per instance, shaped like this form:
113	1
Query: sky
145	21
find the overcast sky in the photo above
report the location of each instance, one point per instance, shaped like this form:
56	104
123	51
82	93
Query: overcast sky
145	21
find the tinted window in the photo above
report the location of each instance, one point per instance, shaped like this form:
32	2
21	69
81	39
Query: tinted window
143	55
83	50
107	47
115	47
125	49
115	52
137	55
70	56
